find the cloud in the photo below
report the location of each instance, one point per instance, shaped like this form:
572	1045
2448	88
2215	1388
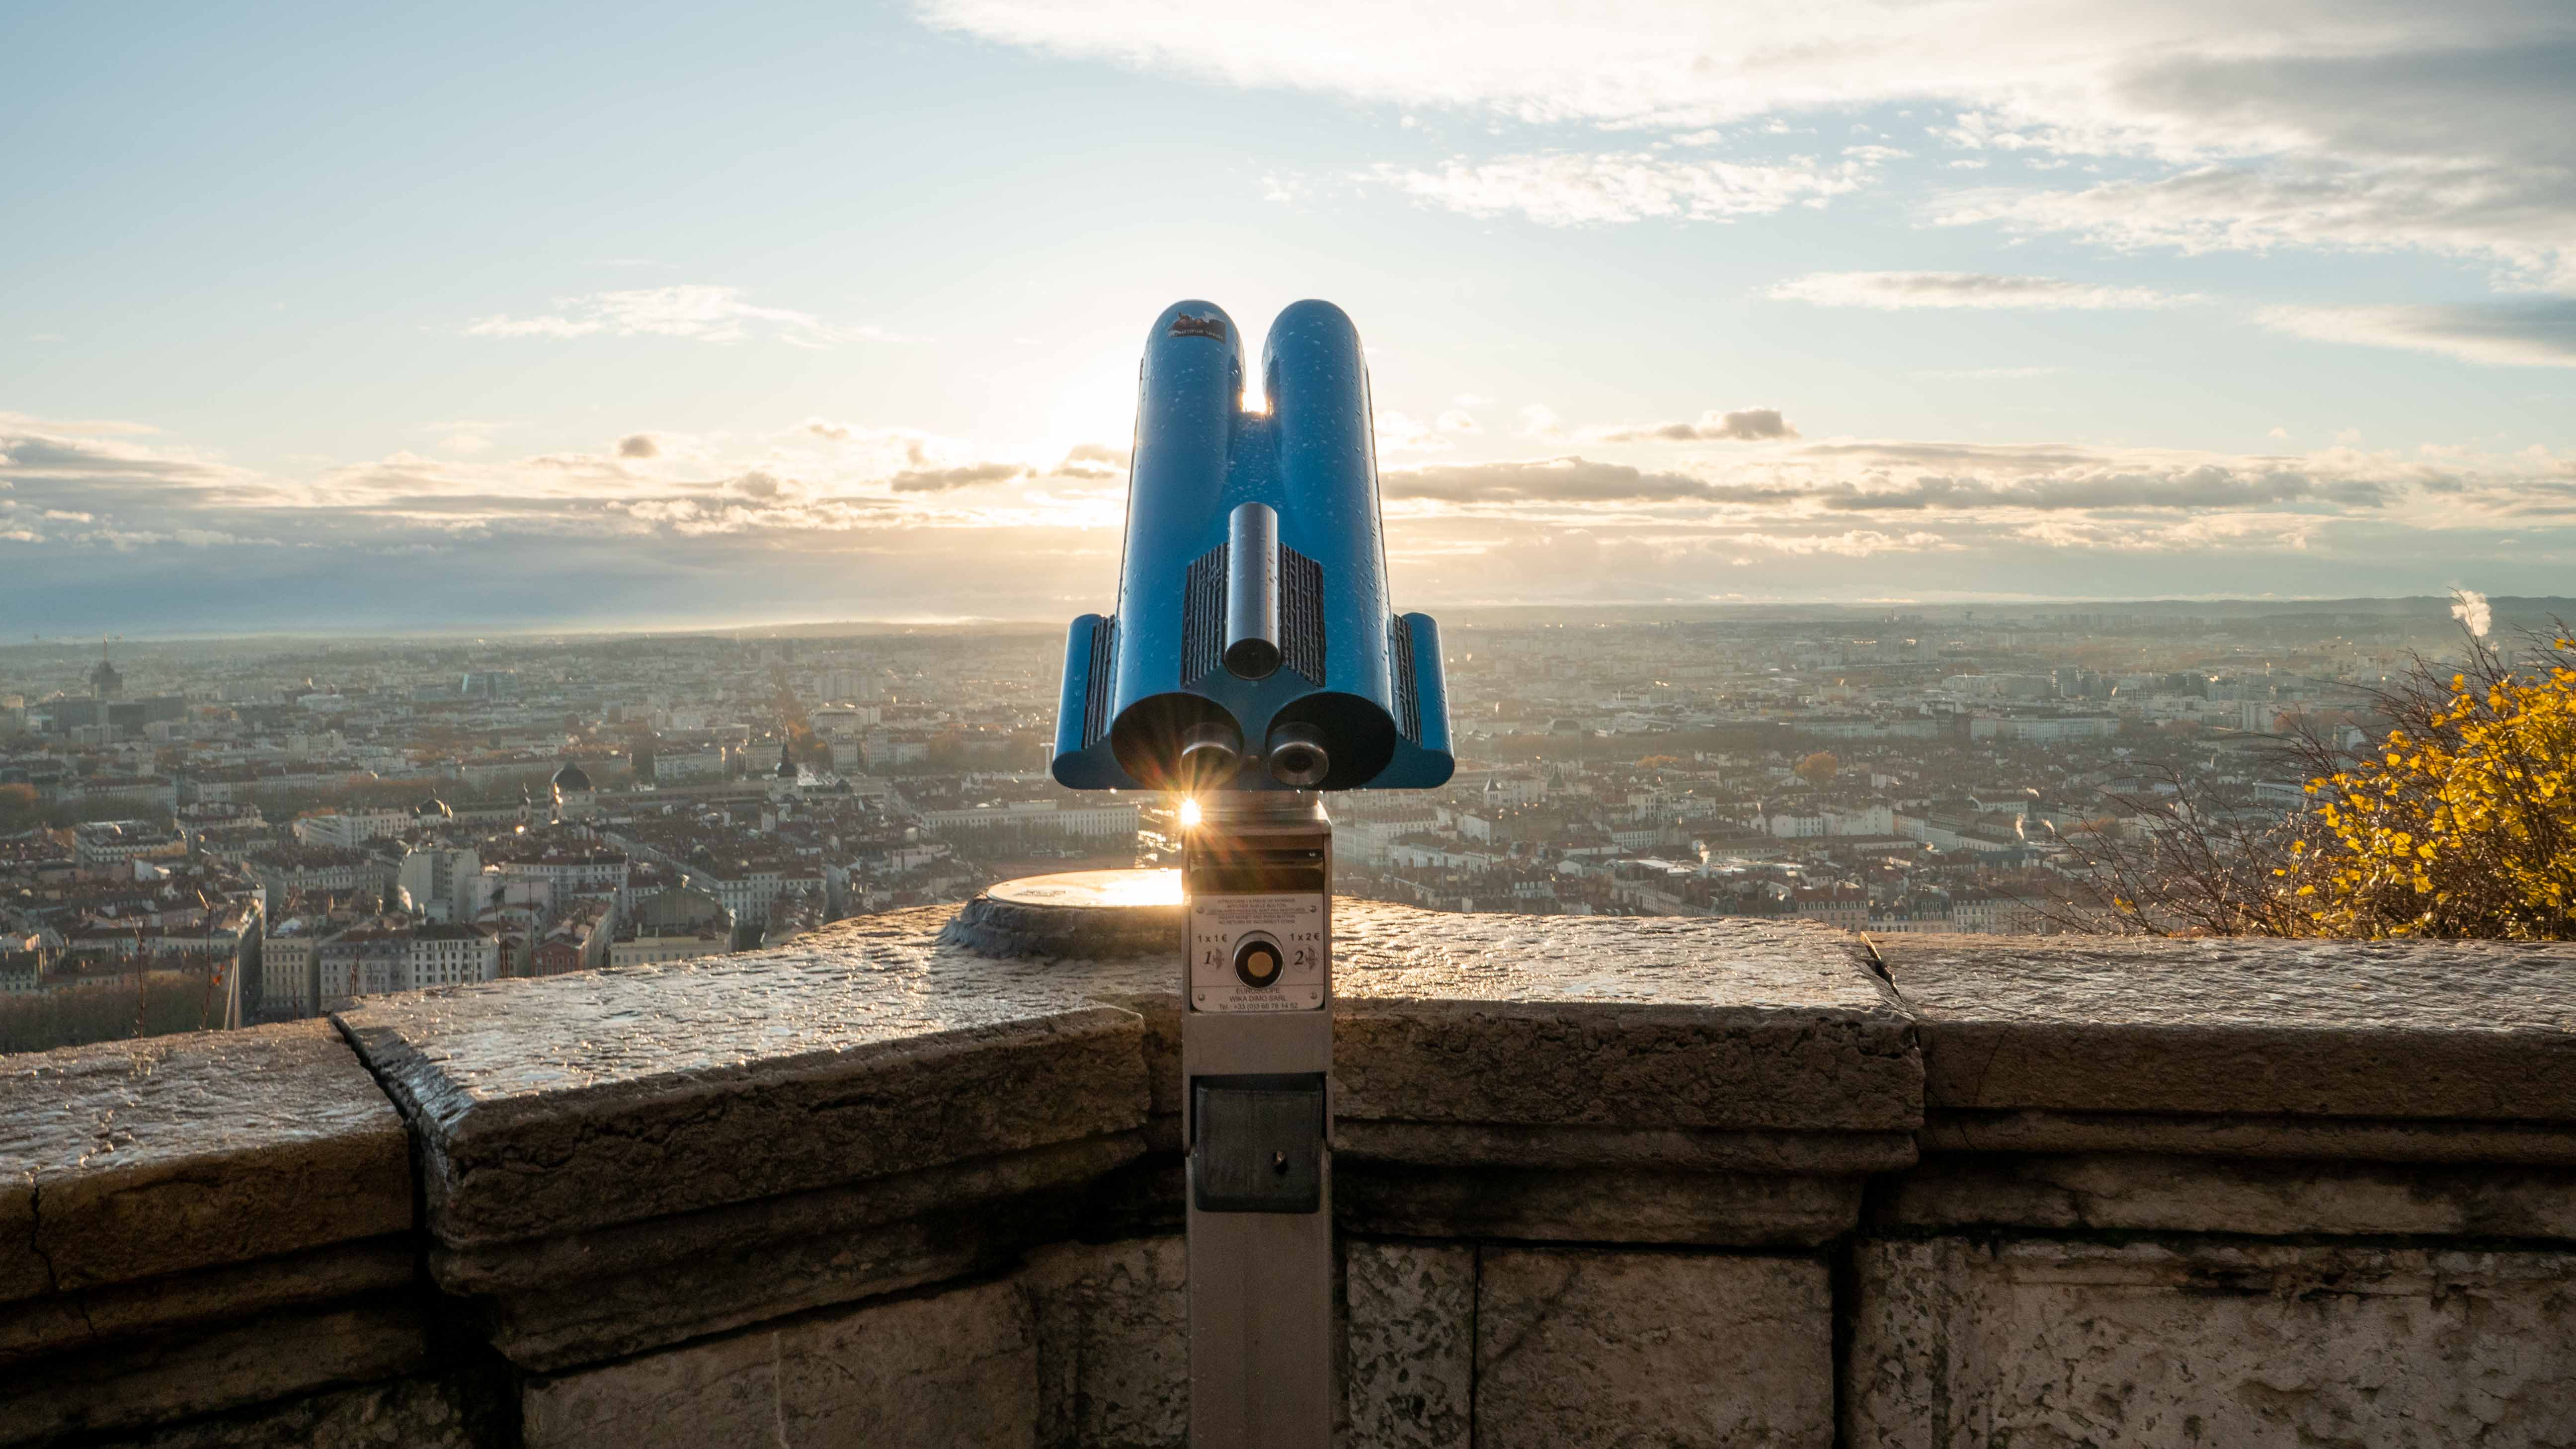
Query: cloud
1538	420
122	530
697	312
1890	291
1575	189
1458	420
938	480
2467	208
1404	433
1851	543
638	445
1750	425
1553	480
2182	486
2009	457
2529	334
2255	125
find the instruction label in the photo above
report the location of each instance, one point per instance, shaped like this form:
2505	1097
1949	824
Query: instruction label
1221	927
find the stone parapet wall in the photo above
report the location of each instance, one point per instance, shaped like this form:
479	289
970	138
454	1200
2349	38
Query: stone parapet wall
1667	1181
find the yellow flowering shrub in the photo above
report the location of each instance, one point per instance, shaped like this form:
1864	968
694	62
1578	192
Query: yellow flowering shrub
2462	824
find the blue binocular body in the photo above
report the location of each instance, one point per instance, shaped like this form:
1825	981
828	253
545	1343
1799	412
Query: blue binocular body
1253	647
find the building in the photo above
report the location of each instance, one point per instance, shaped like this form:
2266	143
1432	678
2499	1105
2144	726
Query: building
680	767
98	844
575	798
441	883
672	925
284	870
289	966
579	938
391	953
354	826
2043	727
1105	821
568	866
792	915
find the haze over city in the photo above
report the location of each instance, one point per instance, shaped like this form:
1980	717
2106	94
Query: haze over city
495	320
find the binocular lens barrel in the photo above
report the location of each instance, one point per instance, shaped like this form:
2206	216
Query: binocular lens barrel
1297	756
1252	592
1210	753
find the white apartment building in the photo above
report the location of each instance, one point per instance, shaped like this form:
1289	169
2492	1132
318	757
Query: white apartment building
390	954
442	884
1865	820
1088	821
98	843
680	767
286	968
569	873
2044	727
349	829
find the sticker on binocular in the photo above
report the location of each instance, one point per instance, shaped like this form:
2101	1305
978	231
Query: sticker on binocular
1257	952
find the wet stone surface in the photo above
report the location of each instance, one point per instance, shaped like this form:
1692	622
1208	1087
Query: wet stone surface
882	1045
128	1160
577	1101
2338	1028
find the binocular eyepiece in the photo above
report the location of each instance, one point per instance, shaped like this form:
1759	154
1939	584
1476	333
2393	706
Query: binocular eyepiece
1211	752
1252	601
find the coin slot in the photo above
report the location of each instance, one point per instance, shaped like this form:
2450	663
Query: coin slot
1258	961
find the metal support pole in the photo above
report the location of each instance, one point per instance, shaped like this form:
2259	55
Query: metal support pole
1256	1059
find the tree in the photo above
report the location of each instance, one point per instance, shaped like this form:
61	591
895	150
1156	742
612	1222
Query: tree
2459	821
1819	769
18	809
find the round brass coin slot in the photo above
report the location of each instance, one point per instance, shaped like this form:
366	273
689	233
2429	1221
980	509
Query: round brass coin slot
1257	961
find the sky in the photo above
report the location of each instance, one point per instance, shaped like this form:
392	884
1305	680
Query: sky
481	317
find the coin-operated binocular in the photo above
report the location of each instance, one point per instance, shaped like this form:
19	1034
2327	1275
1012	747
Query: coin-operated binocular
1254	661
1253	647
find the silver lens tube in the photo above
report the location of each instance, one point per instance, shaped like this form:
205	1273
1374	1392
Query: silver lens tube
1297	756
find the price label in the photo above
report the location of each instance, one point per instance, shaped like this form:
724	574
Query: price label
1257	953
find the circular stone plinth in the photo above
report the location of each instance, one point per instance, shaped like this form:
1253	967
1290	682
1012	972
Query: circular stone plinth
1093	915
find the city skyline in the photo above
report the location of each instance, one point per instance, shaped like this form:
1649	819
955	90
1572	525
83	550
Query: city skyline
498	321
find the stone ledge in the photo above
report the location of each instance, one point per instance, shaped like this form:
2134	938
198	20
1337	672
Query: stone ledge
447	1412
1595	1205
1551	1145
2130	1193
34	1328
583	1101
185	1373
2373	1029
688	1199
550	1109
2273	1138
556	1302
129	1160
